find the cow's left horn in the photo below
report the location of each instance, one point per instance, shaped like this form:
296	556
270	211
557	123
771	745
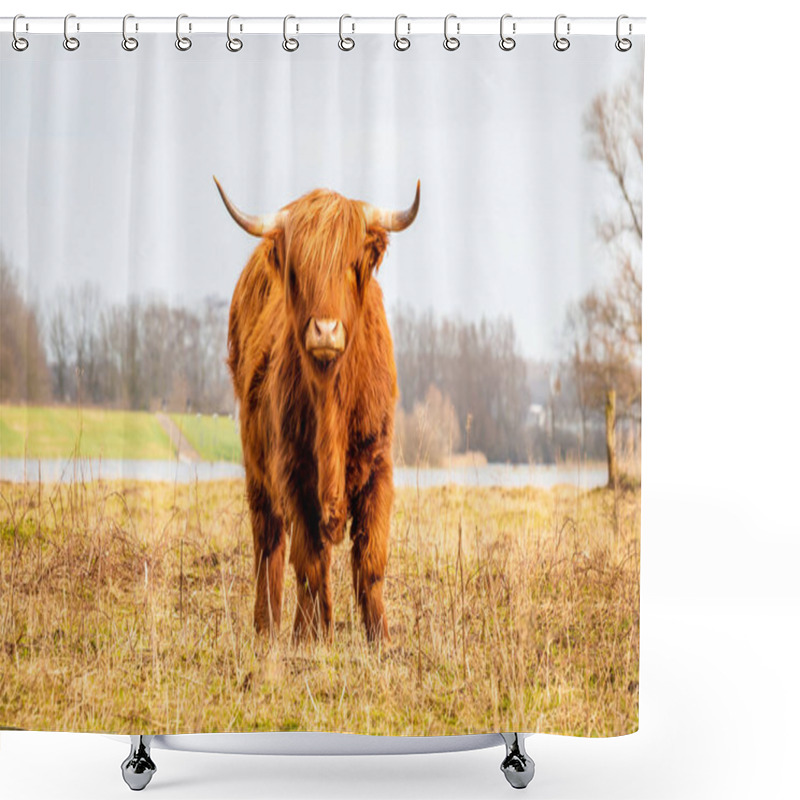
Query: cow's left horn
256	225
392	220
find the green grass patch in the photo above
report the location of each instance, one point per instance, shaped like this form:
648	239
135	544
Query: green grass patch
216	438
60	432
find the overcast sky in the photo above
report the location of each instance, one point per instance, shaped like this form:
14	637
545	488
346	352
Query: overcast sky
107	158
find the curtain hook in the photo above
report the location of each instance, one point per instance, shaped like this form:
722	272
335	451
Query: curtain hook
234	45
346	42
401	42
71	43
129	43
561	43
183	43
18	42
507	42
623	45
451	42
290	45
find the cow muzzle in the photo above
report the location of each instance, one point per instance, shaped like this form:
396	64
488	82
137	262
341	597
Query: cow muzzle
325	339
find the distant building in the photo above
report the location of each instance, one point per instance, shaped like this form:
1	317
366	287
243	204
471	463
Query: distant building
537	416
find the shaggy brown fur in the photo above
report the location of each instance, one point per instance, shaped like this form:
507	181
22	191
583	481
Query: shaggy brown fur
317	437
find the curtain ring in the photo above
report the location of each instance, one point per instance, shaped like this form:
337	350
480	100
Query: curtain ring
451	42
401	42
71	43
289	45
507	42
18	42
561	43
346	43
183	43
623	45
128	42
234	45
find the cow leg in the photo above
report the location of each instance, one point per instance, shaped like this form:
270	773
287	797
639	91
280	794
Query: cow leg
269	545
312	563
372	510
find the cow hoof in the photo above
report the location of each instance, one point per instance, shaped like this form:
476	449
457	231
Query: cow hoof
138	768
517	766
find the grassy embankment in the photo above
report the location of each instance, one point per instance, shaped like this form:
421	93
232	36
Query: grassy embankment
64	431
216	438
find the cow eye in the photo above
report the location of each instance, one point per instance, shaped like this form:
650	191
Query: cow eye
292	277
354	276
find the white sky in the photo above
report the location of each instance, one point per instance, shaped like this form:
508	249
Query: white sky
107	158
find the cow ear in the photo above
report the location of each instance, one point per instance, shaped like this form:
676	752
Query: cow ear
375	245
272	247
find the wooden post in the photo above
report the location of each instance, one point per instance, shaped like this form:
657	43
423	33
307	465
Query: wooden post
611	445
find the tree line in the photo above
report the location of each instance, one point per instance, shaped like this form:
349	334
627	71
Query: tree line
144	354
464	384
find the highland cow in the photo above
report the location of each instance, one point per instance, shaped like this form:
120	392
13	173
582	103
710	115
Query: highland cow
310	355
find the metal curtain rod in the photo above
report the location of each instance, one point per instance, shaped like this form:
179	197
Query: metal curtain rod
461	26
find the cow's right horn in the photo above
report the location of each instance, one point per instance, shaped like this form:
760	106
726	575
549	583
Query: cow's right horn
256	225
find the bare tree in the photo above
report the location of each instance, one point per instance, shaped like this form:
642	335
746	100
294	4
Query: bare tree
603	364
613	126
85	302
614	132
605	328
60	342
23	363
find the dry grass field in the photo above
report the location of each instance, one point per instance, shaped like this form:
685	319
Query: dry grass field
127	608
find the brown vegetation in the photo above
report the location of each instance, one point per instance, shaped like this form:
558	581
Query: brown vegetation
128	607
430	434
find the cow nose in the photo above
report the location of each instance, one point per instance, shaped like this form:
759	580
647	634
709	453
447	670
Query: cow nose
325	329
325	336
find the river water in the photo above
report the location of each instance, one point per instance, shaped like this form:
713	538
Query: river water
18	470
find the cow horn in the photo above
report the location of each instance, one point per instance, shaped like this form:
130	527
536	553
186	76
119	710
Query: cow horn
392	220
256	225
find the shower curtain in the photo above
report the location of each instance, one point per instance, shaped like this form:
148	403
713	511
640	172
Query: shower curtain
320	385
